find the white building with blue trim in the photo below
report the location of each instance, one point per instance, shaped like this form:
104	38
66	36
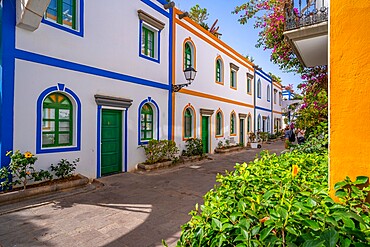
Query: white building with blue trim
88	80
263	106
91	81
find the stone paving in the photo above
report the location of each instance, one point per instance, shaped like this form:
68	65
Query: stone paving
131	209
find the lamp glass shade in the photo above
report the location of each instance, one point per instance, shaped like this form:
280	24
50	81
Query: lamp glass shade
190	73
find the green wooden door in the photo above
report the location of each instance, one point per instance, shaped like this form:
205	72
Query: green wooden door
205	134
241	134
111	142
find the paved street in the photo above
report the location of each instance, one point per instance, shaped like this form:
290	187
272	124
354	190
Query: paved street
131	209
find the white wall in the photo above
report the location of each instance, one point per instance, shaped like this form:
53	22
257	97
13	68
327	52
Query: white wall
182	100
110	42
29	85
210	95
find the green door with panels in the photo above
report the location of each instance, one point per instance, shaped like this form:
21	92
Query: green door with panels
111	142
205	134
241	134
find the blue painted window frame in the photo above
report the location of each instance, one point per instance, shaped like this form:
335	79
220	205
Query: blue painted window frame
157	44
259	88
79	20
268	93
60	88
156	113
259	122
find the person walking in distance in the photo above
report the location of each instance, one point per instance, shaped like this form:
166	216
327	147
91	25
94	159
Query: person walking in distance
300	136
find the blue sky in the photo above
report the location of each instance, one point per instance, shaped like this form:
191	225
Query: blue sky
242	38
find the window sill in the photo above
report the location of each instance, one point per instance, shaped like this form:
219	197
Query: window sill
63	28
57	149
149	58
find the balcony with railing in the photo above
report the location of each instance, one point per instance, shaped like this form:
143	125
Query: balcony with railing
300	16
306	29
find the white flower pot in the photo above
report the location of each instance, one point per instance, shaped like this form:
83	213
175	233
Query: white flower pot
255	145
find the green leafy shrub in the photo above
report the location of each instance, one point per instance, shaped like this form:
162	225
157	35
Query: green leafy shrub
271	136
193	146
280	201
264	136
41	175
158	151
21	168
227	143
64	168
317	140
220	144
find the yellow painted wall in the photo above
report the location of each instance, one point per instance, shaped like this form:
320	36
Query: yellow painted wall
349	89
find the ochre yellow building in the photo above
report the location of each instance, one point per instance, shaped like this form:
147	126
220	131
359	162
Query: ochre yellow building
349	90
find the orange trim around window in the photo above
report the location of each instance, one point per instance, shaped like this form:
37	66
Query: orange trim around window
183	122
219	44
194	50
222	70
222	123
235	124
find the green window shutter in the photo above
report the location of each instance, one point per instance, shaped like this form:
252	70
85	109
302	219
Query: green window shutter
188	123
146	122
188	56
218	124
63	12
233	78
57	121
218	71
248	85
232	124
249	123
147	42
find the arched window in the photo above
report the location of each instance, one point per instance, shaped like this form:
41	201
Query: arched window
233	123
146	122
188	123
219	71
280	98
259	88
259	123
188	56
219	125
268	93
249	123
57	121
268	124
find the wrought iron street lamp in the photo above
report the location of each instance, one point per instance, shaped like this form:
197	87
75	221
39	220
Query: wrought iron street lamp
189	76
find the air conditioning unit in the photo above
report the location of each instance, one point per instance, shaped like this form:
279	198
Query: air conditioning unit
30	13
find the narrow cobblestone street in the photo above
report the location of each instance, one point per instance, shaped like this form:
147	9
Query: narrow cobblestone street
131	209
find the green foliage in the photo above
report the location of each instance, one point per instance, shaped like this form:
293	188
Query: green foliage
41	175
313	111
252	137
220	144
280	201
199	15
264	136
157	151
317	140
194	146
21	168
227	143
64	168
271	136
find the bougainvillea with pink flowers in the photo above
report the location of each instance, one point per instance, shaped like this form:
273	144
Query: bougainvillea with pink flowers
269	16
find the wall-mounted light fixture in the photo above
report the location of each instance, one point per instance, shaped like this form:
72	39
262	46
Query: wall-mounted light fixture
189	76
